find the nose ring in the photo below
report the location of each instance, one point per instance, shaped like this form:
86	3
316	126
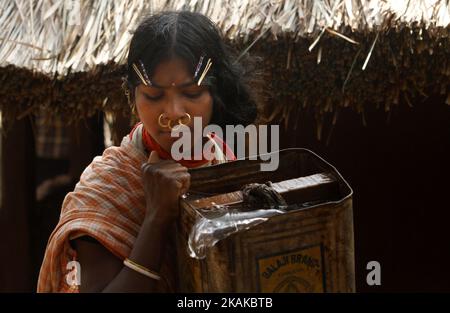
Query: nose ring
186	115
185	120
164	125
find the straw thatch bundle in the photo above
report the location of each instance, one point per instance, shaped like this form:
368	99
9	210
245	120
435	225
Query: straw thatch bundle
319	54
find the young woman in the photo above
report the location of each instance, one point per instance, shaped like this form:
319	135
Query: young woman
118	222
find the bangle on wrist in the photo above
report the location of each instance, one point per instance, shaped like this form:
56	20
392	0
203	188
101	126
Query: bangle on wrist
141	269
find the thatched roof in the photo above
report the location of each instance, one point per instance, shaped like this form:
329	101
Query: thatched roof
343	45
40	34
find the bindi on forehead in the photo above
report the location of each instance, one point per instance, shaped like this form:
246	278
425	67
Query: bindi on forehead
173	84
173	71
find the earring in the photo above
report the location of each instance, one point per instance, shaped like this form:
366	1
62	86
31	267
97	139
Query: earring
126	90
133	108
128	95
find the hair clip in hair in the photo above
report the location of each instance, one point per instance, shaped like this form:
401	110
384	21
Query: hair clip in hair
145	72
208	65
199	65
143	77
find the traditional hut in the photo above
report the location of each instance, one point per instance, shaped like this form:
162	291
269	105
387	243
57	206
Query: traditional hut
68	56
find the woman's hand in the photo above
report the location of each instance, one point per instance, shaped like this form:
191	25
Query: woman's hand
164	182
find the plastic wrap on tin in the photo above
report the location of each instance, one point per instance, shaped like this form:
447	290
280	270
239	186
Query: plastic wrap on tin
219	222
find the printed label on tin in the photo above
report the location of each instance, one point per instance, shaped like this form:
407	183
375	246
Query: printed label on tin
295	271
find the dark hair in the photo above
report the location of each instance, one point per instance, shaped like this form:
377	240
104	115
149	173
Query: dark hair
188	35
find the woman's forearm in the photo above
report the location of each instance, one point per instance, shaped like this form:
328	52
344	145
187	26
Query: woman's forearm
147	251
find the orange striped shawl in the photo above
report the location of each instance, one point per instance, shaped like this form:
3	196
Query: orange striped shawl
107	204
